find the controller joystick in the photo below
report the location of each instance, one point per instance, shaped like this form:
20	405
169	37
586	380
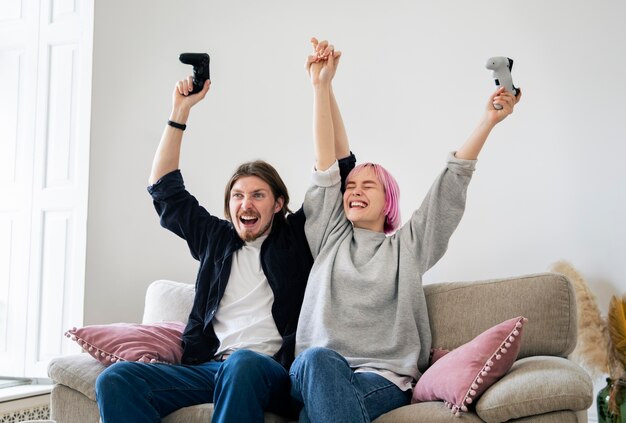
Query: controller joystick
501	70
200	63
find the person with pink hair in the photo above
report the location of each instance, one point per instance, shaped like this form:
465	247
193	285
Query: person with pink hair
363	335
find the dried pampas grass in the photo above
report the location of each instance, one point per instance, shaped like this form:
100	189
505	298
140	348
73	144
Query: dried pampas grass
593	348
617	332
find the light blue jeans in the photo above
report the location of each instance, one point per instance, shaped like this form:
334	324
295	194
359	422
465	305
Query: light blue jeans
241	388
330	391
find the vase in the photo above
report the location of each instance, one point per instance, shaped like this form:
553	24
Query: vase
611	402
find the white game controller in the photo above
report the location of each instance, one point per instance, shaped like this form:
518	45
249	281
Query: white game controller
501	70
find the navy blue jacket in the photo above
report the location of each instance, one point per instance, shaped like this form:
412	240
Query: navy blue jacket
285	258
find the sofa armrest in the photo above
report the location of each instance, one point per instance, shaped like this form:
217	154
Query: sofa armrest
459	311
76	371
168	301
534	386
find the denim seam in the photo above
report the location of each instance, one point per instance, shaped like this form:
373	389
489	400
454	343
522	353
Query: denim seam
380	389
361	401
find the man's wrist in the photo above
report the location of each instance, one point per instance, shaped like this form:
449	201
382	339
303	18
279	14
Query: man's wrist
179	115
177	125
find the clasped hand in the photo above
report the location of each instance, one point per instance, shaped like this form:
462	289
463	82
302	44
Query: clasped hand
322	64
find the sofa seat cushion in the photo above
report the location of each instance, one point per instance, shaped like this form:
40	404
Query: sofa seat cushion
536	385
77	371
431	412
204	413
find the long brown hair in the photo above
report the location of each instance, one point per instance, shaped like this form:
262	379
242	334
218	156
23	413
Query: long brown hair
267	173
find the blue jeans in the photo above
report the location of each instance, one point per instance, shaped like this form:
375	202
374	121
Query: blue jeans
241	389
331	391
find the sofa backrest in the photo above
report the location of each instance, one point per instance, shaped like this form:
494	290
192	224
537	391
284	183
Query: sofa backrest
461	310
168	301
458	310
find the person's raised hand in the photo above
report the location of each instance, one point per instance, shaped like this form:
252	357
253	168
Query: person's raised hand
505	99
321	65
181	97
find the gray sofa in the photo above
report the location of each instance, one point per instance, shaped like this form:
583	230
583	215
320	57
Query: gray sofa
542	386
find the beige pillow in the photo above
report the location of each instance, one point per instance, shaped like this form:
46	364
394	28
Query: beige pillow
536	385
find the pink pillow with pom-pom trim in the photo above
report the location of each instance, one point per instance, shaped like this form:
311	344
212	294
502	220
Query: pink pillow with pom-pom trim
461	376
147	343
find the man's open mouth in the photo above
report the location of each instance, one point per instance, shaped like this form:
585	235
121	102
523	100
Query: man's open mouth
248	220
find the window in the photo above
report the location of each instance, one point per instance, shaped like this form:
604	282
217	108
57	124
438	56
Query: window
45	81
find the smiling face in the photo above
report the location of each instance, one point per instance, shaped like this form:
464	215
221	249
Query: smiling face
252	206
364	200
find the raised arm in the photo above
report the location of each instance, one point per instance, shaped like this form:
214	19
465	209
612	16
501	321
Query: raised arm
471	148
330	138
342	147
167	156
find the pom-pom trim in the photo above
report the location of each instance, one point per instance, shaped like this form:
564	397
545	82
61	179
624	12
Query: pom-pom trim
95	352
497	355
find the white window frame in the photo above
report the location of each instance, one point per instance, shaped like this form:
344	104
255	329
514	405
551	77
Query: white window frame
46	69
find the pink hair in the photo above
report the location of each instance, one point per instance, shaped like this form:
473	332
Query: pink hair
392	195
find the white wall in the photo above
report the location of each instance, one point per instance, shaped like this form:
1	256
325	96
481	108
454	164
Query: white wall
411	84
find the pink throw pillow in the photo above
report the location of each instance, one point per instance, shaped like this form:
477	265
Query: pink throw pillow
461	376
154	343
436	354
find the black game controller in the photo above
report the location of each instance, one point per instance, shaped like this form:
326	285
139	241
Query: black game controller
200	63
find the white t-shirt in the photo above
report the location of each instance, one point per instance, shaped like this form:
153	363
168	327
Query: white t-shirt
244	316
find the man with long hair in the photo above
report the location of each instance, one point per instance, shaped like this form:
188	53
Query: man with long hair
239	341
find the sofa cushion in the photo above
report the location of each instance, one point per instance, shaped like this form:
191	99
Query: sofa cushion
204	413
427	412
462	375
76	371
159	342
169	301
436	412
536	385
458	311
